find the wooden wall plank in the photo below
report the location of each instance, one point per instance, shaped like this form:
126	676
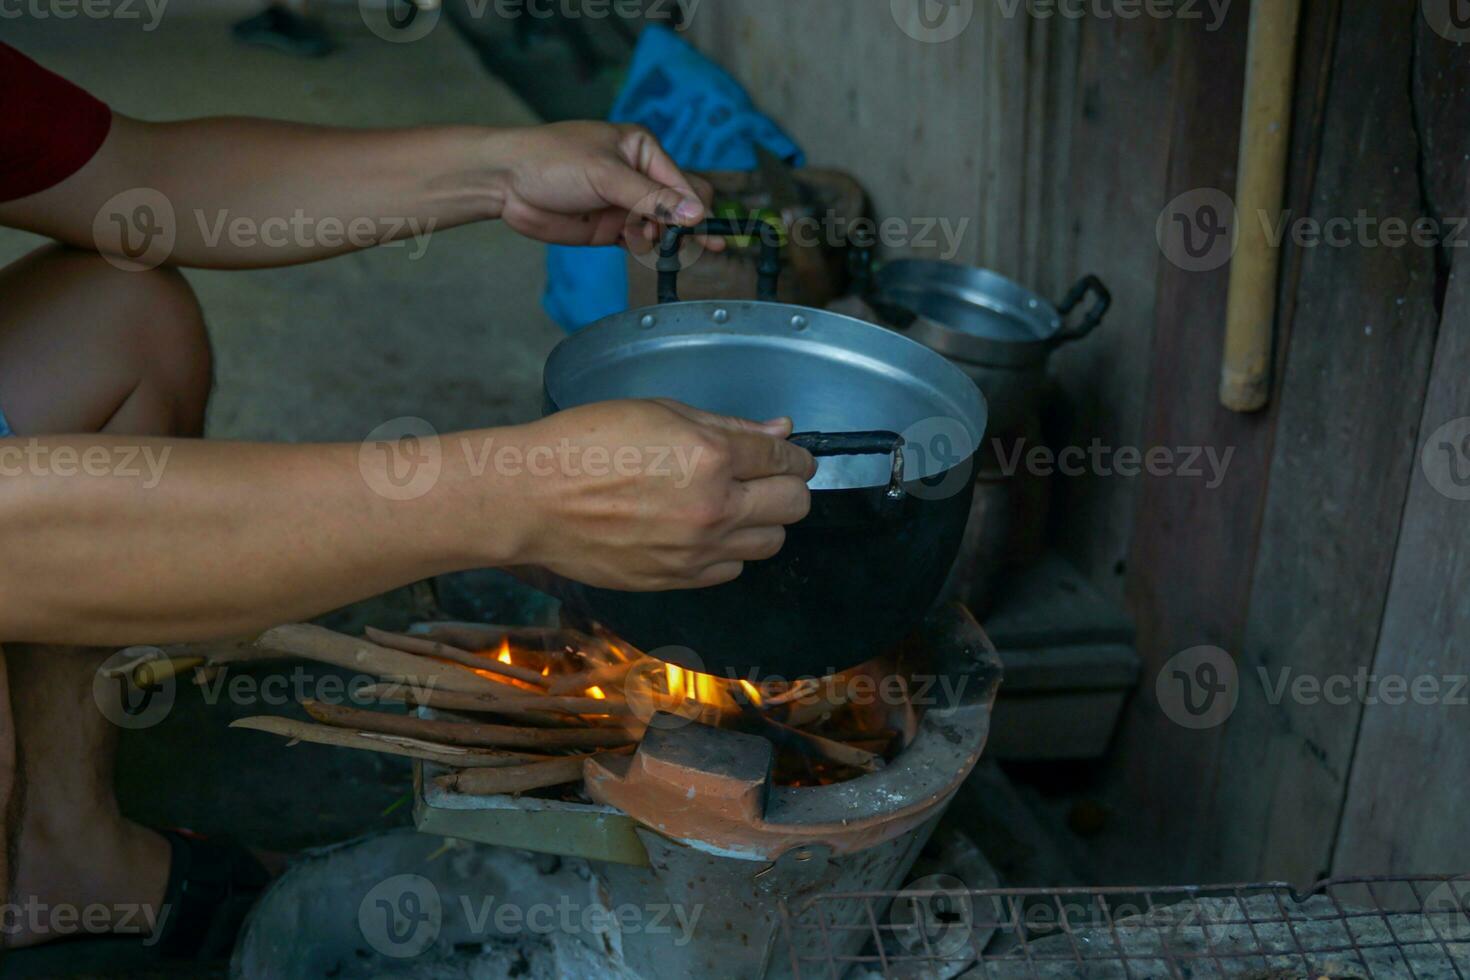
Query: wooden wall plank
1191	553
1352	396
1408	793
1118	159
1194	551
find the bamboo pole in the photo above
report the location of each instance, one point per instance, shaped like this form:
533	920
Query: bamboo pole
1265	137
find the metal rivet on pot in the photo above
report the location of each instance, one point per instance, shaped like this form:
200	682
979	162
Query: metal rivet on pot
1033	303
798	322
647	321
722	315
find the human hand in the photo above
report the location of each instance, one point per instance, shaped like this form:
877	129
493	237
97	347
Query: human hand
591	183
654	495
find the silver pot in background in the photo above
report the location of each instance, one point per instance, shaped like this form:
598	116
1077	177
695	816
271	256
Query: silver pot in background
1001	335
998	331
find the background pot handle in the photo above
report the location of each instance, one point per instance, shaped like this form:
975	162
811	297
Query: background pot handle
879	443
1087	284
768	272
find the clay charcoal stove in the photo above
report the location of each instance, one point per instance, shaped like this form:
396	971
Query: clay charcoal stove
738	817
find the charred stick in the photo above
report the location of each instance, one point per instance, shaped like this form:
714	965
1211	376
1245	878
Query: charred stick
447	755
465	734
826	748
606	676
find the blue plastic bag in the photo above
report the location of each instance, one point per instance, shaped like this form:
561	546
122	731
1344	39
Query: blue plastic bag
706	121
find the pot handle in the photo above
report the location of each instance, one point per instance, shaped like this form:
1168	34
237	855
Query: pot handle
767	272
1085	285
879	443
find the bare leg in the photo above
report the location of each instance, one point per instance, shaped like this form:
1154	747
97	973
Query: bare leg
84	347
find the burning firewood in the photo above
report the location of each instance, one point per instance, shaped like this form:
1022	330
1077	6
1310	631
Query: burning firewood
559	691
470	734
316	643
443	651
606	676
475	704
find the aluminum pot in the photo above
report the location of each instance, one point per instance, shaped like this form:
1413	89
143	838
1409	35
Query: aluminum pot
895	427
997	331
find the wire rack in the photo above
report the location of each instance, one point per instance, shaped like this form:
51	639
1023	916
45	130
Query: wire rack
1415	926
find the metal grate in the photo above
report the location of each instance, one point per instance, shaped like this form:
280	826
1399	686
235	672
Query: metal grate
1368	927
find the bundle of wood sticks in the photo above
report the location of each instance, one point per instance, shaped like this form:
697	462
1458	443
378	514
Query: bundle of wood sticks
515	710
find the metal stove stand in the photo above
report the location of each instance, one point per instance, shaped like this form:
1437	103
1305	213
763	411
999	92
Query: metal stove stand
1363	927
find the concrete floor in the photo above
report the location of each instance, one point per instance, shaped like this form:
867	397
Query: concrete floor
318	352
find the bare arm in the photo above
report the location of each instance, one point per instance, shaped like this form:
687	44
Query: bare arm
236	193
107	540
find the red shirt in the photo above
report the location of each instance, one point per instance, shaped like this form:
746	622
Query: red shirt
49	128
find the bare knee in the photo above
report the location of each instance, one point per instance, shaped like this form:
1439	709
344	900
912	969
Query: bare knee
131	347
164	320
